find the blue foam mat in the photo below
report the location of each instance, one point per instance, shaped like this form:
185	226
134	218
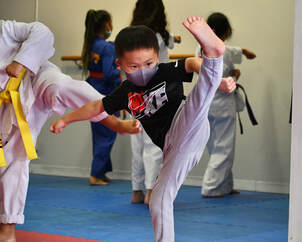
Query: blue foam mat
68	206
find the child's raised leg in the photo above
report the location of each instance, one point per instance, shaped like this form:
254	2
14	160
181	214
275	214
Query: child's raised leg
212	46
188	134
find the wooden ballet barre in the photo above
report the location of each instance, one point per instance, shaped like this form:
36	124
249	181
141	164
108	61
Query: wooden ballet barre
77	59
71	58
180	56
172	57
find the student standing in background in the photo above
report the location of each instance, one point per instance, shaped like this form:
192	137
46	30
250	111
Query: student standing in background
218	177
147	157
99	63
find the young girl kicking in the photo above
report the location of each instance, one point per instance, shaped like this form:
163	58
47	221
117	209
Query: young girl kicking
43	91
154	94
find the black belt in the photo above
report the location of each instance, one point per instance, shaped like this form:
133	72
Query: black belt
291	109
248	108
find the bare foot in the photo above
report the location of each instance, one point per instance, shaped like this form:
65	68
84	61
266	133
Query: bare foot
147	197
234	191
97	181
130	127
107	179
212	196
137	197
7	233
212	46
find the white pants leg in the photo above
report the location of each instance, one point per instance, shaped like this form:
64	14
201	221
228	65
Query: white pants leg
152	157
13	183
146	161
218	177
54	92
184	145
138	171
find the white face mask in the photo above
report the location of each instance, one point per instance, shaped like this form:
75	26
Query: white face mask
142	76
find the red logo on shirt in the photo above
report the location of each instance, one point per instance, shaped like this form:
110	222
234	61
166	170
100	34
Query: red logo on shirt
136	103
149	102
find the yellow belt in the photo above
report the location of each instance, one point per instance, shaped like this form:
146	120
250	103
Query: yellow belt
12	95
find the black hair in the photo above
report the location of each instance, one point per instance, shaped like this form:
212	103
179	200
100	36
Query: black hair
135	38
220	24
95	23
152	14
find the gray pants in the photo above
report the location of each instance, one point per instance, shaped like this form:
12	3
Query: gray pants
218	178
184	145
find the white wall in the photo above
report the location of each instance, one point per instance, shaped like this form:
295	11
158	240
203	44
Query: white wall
295	220
266	27
18	10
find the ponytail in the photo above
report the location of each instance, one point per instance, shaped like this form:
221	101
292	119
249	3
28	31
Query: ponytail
94	24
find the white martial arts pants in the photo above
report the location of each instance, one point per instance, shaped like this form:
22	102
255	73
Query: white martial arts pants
184	145
218	177
54	92
146	161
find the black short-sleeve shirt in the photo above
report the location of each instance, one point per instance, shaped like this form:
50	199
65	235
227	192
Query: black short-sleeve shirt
155	104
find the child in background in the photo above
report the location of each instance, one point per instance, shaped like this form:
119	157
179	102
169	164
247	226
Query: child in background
43	91
99	60
151	13
147	157
218	177
154	94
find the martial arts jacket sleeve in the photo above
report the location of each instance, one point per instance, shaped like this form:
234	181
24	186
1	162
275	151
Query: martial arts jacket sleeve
36	42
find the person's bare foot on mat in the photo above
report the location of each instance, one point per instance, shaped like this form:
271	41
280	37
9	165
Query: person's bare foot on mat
93	181
212	196
7	233
235	191
137	197
107	179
